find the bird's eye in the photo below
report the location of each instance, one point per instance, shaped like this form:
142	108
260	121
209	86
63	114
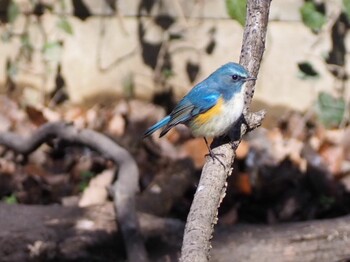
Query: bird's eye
235	77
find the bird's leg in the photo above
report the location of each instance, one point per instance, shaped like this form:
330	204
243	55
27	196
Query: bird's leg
206	142
212	154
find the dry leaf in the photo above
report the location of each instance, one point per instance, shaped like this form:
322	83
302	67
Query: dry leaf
196	150
285	147
96	192
346	182
7	166
50	115
35	115
242	150
35	170
116	125
75	115
333	156
242	184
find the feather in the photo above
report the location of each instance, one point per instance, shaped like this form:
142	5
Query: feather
158	125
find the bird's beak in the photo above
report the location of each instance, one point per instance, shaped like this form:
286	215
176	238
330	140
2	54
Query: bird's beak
250	78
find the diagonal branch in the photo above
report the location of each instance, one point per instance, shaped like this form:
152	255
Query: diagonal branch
212	185
125	187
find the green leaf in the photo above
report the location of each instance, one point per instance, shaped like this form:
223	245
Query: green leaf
168	73
6	36
12	69
12	199
83	185
346	4
86	177
26	46
62	4
52	51
330	110
13	12
327	201
25	40
65	26
236	9
311	17
129	86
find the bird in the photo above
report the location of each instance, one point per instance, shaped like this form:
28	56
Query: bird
212	107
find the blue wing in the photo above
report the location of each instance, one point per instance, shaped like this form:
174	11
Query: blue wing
200	99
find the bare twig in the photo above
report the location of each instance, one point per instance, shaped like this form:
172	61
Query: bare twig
212	185
125	187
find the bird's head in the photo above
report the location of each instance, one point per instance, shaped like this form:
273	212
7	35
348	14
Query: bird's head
230	78
233	74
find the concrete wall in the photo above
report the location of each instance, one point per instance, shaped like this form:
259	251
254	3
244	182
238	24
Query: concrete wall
106	52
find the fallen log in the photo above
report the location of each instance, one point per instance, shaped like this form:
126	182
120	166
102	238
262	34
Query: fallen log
317	240
58	233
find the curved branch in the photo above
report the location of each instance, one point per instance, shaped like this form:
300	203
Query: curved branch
212	185
125	187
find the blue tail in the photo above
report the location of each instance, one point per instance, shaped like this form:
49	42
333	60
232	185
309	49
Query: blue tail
158	125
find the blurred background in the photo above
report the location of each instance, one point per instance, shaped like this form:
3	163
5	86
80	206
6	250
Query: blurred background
119	66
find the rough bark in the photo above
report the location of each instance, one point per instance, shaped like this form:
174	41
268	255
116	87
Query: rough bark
318	240
125	187
253	45
212	185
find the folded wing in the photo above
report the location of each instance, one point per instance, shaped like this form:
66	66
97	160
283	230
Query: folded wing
197	102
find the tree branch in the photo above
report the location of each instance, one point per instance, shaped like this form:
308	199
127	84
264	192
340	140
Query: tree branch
212	185
125	187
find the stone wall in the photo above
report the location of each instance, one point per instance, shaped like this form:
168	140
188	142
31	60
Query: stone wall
168	45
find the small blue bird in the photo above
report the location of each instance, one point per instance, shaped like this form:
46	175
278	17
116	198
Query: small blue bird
212	107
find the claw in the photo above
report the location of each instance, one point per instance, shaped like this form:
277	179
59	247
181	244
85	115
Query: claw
212	154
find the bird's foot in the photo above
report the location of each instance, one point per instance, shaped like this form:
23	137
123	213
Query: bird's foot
212	154
215	156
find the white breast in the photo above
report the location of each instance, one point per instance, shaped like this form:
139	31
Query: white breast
223	122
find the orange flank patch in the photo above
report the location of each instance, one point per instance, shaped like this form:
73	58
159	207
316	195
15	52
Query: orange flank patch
214	111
